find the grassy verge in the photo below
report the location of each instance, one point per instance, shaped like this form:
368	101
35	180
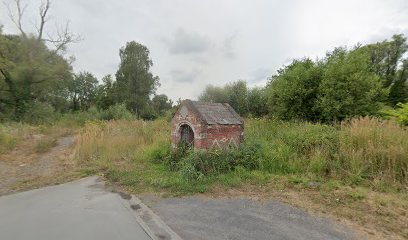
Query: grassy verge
363	152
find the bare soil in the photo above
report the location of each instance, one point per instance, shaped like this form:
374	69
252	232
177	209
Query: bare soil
25	168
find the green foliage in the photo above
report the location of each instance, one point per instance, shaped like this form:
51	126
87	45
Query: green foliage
214	94
39	113
30	72
385	57
338	87
116	112
135	82
82	90
399	89
161	103
401	113
292	94
235	94
348	87
257	102
105	93
37	85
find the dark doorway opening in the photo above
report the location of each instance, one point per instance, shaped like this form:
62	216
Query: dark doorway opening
187	135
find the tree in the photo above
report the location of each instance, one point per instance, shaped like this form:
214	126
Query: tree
62	37
348	87
399	89
135	81
105	93
214	94
161	103
237	93
340	86
257	102
83	91
386	57
29	72
292	94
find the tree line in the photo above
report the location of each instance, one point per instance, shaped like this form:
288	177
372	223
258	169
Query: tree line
360	81
37	80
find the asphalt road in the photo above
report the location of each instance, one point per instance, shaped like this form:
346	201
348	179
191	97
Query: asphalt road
221	219
83	209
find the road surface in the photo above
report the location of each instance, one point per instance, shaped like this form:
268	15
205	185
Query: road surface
202	218
83	209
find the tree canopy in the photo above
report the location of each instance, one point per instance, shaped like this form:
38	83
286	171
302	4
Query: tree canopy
136	83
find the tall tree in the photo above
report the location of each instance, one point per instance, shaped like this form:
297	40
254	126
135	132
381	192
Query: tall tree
386	60
135	81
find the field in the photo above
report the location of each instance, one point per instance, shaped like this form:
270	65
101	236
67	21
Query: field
355	171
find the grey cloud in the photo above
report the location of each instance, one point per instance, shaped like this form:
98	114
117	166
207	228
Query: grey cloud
186	42
228	46
184	77
260	74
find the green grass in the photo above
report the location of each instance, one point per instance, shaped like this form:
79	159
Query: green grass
362	152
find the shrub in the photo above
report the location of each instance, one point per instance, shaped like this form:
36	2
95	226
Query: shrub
116	112
39	113
401	113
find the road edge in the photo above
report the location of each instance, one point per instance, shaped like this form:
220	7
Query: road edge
151	223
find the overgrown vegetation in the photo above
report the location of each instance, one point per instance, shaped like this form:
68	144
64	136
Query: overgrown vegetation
365	151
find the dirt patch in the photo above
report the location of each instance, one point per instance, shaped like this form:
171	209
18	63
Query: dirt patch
25	168
376	216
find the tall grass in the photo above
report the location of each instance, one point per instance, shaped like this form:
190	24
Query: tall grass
374	149
111	142
360	151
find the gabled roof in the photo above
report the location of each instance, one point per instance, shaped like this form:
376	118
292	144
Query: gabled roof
215	113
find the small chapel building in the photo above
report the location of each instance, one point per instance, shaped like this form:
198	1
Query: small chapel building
204	125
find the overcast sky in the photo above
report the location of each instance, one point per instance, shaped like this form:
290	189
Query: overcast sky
194	43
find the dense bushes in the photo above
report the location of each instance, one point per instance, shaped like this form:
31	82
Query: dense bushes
340	86
400	113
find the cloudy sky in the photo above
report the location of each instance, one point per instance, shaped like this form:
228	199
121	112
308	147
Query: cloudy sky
194	43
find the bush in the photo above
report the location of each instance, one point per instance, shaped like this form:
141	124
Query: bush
39	113
116	112
401	113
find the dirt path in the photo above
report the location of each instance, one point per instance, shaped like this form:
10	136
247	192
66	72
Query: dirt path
23	168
